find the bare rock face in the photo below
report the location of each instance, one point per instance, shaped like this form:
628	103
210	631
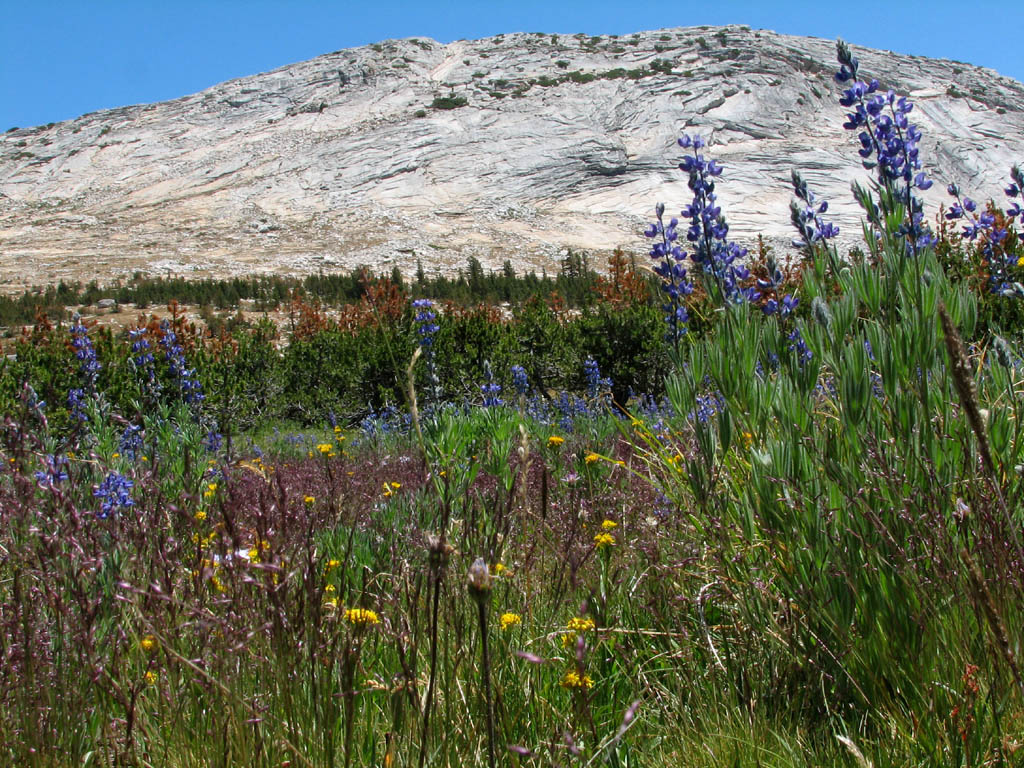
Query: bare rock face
515	147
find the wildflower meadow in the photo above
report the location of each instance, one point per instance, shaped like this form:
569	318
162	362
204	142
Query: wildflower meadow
730	508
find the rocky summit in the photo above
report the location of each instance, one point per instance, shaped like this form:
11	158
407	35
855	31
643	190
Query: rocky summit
517	147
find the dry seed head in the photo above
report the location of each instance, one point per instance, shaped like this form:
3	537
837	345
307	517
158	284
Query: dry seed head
479	580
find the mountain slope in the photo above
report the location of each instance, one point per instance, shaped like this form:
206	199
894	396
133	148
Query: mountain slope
369	156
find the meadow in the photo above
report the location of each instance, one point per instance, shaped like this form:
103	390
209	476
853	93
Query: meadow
731	510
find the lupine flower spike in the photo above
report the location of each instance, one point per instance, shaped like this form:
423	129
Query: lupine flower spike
889	146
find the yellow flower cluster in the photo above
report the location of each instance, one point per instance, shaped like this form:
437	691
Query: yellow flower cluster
211	489
577	624
361	617
390	488
555	440
331	565
204	541
591	457
148	643
608	525
509	620
151	677
309	500
603	540
573	680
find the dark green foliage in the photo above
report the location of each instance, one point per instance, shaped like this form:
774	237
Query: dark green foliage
448	102
628	347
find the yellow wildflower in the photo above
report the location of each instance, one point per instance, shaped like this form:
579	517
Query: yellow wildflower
577	624
331	604
748	439
325	447
603	540
568	639
498	568
332	564
151	677
115	456
591	457
361	617
608	525
1020	261
555	440
573	680
148	643
509	620
329	589
200	515
309	500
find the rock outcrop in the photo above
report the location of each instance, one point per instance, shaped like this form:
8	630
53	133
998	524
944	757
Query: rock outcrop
515	147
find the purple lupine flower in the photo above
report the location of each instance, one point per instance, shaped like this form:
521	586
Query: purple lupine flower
888	145
490	389
708	231
981	229
426	328
188	384
130	442
595	384
425	325
670	269
806	216
520	382
54	471
114	493
799	347
89	366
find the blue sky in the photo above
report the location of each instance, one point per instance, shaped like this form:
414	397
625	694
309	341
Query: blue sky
60	59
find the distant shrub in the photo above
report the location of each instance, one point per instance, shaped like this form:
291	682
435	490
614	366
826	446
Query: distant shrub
448	102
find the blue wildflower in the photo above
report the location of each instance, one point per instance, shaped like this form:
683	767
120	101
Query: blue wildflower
520	382
708	232
889	145
130	442
426	328
980	228
490	389
89	366
114	493
596	386
799	347
188	384
213	440
674	282
54	471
